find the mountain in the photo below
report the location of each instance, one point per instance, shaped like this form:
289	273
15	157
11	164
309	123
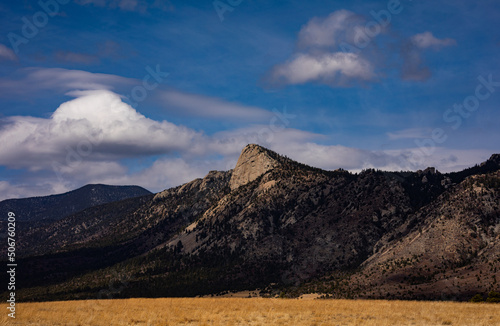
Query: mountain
56	207
449	249
282	227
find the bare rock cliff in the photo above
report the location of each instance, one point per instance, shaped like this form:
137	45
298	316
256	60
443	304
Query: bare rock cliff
252	163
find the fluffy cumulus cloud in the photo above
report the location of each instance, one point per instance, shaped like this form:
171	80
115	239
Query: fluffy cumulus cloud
98	122
340	26
320	55
337	68
341	50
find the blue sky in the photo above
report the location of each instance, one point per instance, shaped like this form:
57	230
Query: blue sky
157	93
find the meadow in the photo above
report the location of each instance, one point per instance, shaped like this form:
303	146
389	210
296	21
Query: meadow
251	311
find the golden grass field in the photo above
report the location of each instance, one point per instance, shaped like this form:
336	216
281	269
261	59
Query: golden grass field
254	311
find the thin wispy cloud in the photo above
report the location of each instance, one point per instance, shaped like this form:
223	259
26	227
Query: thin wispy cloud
38	80
428	40
205	106
35	81
111	49
130	5
73	57
414	66
7	53
410	133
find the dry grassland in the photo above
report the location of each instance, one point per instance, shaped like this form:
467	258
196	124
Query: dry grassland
255	311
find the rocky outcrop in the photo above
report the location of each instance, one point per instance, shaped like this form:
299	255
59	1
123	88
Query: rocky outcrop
214	180
252	163
494	159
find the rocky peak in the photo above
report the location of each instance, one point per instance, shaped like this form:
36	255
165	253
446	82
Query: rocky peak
430	170
254	161
495	158
492	164
213	181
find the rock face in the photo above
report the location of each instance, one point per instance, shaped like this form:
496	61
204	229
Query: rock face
253	162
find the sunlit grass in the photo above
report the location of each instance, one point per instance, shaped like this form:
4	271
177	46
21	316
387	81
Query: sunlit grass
254	311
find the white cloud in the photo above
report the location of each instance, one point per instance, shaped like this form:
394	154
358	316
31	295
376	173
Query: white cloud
428	40
339	51
221	151
303	146
98	122
89	136
442	158
7	54
164	173
339	26
331	68
331	157
229	144
204	106
37	80
410	133
319	57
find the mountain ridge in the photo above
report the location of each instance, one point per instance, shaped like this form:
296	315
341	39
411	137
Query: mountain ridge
279	226
58	206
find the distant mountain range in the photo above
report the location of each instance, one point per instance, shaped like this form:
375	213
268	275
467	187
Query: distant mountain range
283	228
57	207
